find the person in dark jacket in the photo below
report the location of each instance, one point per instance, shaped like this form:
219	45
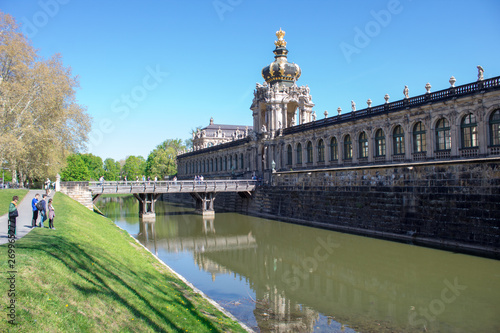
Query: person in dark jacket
34	201
13	214
43	212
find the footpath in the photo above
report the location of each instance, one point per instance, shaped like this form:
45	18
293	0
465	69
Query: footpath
23	225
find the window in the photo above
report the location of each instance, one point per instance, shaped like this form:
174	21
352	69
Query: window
363	145
379	143
230	162
309	152
495	128
347	147
242	165
225	163
443	136
334	153
235	162
212	165
289	155
216	164
321	150
419	145
468	128
299	153
399	140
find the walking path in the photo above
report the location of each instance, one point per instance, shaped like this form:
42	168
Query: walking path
23	225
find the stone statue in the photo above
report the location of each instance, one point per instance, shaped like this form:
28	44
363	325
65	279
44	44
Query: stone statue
314	115
405	92
264	129
293	121
353	106
480	73
279	124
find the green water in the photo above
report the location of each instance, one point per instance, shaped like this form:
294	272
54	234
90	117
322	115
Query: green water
279	277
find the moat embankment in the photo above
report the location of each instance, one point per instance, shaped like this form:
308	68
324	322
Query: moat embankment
449	205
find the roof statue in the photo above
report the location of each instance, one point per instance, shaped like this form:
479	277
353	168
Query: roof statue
280	42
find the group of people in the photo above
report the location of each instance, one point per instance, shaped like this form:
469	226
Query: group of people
41	207
45	209
198	179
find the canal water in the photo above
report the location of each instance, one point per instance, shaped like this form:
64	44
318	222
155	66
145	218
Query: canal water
280	277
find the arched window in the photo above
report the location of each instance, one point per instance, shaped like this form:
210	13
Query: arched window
419	145
299	153
289	155
225	163
495	128
363	145
443	136
235	162
468	128
309	152
242	165
321	150
379	143
399	140
212	165
230	162
347	147
216	164
334	152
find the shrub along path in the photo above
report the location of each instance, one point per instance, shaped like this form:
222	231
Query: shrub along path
90	276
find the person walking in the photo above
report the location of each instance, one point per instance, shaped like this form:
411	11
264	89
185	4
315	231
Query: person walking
42	208
34	201
47	186
13	214
52	214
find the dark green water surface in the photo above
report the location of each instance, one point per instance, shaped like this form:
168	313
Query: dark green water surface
280	277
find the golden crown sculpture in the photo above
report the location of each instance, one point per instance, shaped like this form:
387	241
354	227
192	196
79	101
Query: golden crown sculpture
280	42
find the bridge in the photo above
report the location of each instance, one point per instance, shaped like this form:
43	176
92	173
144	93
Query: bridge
147	192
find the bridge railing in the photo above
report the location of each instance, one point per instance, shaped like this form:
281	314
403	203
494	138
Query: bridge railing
172	186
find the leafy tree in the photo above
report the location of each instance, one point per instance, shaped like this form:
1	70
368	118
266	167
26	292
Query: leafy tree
76	169
40	119
162	161
111	169
94	165
188	143
135	166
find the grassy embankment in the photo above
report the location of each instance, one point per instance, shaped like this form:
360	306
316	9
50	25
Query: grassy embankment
90	276
6	198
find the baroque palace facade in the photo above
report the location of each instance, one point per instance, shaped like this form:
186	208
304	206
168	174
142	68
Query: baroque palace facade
461	122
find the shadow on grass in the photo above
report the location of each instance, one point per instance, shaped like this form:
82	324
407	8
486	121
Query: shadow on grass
102	278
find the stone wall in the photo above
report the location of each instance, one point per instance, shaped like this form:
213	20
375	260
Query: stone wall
78	191
444	204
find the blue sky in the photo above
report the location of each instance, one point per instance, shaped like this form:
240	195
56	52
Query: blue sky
152	70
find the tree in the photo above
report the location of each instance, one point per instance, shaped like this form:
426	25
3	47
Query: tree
135	166
162	161
76	169
188	143
40	121
111	169
94	165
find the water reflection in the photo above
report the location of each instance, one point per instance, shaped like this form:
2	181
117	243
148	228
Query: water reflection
281	277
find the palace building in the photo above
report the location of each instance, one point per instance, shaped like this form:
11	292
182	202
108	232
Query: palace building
460	122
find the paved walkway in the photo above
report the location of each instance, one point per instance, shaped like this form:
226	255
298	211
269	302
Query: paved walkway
23	224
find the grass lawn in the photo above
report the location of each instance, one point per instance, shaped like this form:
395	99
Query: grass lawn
6	198
90	276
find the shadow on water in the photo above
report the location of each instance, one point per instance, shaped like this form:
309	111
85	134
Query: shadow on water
280	277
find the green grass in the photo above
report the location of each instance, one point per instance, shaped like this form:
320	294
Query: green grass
90	276
6	198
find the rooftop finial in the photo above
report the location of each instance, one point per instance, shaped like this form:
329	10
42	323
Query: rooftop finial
280	42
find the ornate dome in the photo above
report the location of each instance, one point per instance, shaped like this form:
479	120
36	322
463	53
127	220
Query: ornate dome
280	70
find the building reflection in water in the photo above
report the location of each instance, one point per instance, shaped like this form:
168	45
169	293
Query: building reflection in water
303	277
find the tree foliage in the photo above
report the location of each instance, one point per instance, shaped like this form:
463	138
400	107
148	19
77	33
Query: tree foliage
40	119
135	166
162	161
94	165
76	169
112	169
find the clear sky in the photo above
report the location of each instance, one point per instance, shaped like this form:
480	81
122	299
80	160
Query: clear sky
155	69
